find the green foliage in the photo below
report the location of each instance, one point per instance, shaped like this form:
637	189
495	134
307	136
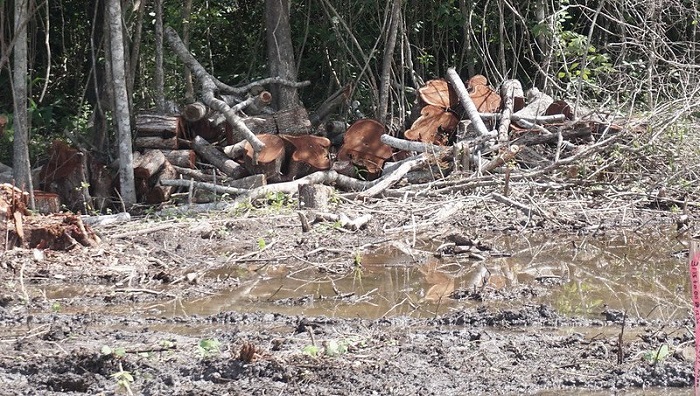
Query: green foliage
208	347
334	348
657	355
118	353
124	380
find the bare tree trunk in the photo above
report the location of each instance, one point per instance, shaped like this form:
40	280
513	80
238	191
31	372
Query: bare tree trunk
385	80
136	47
121	103
187	74
465	8
20	164
158	72
280	53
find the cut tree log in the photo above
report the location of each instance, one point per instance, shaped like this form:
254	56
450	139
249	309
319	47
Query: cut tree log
141	143
537	105
194	111
209	87
309	154
160	192
148	163
57	232
159	125
438	93
286	122
46	202
181	158
485	99
363	147
270	161
218	159
435	125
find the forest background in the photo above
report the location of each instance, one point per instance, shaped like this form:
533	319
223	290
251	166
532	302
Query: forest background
629	57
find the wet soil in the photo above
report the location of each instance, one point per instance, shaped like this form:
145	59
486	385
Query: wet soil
172	304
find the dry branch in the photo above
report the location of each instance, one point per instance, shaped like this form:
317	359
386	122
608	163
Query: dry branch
218	159
209	87
507	92
463	94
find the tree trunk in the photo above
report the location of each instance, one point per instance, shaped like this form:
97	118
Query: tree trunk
384	84
158	72
121	103
136	47
20	165
187	74
280	53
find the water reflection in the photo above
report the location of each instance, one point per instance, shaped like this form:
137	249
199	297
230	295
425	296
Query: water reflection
577	276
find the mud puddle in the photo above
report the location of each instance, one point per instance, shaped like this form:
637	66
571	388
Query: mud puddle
642	274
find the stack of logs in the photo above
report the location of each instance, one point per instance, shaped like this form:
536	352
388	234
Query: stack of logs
198	144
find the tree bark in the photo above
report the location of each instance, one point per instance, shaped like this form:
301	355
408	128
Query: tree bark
136	47
158	72
20	164
187	74
218	159
466	100
385	80
280	53
121	103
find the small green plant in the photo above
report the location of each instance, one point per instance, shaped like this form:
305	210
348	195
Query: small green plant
167	344
208	347
333	348
56	307
657	355
124	380
261	243
357	266
118	353
311	350
278	201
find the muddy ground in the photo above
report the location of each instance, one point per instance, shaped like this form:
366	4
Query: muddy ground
83	322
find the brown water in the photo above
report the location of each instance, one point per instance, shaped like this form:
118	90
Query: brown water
645	275
632	272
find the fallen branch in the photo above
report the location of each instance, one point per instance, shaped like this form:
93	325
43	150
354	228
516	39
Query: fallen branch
458	85
204	186
344	220
529	211
209	87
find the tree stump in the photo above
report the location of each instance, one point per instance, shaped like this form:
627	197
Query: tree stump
315	196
